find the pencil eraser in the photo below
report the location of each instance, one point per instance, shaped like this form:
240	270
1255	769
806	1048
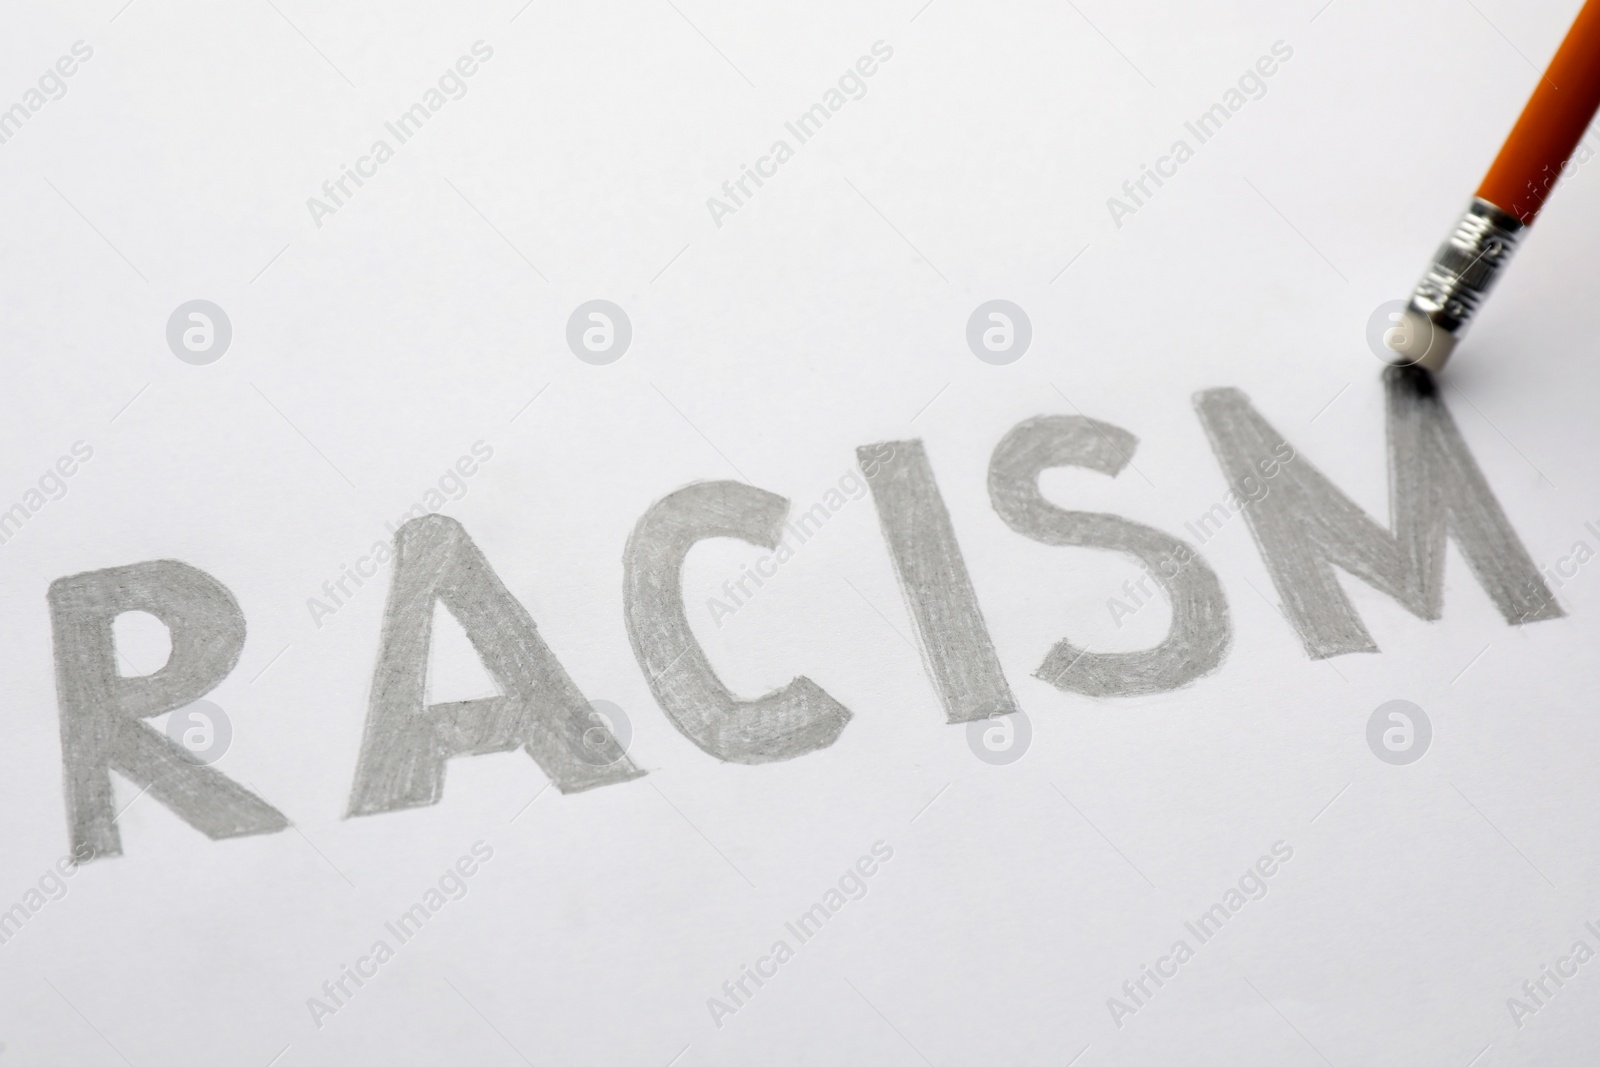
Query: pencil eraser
1444	343
1415	340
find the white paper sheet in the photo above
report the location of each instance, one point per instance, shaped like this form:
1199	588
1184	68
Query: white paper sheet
379	339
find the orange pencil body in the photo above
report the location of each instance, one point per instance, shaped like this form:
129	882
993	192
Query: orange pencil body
1510	197
1561	108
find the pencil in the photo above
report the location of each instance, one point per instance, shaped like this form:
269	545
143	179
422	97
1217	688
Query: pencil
1510	197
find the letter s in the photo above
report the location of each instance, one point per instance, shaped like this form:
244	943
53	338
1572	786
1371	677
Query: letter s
1200	632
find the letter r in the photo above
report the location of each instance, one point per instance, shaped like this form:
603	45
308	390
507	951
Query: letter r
100	710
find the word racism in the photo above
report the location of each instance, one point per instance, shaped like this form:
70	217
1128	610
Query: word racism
450	86
1305	529
1251	85
805	126
852	885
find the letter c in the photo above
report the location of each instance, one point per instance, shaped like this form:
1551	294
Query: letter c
1165	973
799	717
1566	974
766	974
366	173
366	573
766	574
766	173
1166	173
362	973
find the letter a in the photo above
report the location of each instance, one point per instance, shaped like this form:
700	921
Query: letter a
408	742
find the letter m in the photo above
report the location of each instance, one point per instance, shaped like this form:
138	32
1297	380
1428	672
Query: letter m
1306	527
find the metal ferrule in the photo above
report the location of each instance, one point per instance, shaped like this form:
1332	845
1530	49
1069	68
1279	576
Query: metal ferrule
1465	267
